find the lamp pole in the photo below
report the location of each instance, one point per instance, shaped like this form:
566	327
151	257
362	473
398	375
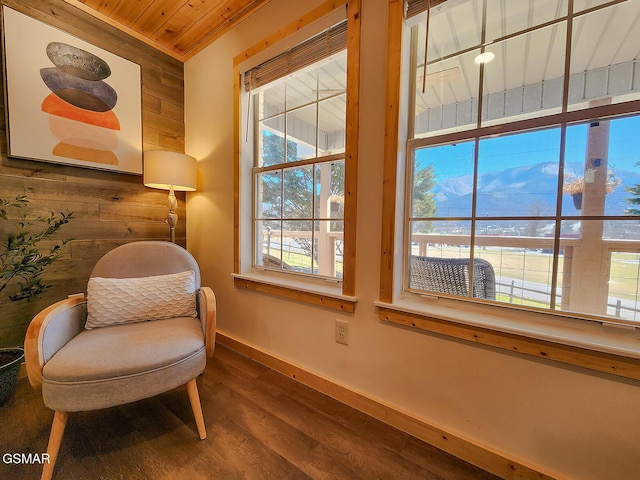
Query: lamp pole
172	218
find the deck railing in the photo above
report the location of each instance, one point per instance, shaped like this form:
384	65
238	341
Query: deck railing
512	290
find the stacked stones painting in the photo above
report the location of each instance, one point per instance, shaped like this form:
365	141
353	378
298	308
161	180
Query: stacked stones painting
69	101
80	96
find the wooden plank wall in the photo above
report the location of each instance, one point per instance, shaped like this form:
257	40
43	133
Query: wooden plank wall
109	208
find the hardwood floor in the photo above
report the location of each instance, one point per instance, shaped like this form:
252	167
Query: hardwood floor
260	425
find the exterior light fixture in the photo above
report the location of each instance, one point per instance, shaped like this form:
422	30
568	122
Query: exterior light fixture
485	57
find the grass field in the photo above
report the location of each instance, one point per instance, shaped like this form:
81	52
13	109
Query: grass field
302	261
519	265
525	268
536	267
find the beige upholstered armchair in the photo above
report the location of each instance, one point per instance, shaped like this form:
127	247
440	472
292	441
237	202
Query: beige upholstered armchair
145	327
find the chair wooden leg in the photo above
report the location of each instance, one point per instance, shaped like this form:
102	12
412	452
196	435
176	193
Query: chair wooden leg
55	439
194	398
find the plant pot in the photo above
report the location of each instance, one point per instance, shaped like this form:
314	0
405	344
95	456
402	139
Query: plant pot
577	200
10	360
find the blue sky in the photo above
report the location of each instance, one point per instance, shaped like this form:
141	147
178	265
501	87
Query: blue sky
535	147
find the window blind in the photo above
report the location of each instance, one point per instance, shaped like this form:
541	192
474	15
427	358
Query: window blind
415	7
323	45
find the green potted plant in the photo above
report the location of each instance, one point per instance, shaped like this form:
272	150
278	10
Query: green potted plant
22	265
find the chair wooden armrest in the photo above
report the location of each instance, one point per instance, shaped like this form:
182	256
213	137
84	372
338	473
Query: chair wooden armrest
208	318
128	360
67	318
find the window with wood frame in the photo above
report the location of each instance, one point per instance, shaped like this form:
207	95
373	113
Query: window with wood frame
522	176
589	112
298	151
298	175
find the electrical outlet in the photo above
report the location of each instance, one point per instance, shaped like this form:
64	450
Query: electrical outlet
342	332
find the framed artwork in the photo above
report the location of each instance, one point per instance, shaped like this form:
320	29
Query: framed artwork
69	101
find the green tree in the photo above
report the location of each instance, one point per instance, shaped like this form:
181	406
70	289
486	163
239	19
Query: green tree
635	200
294	198
288	193
423	202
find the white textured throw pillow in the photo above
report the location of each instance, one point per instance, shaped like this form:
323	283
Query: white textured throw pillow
112	301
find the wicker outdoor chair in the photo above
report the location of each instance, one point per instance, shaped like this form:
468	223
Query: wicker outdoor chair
451	276
271	261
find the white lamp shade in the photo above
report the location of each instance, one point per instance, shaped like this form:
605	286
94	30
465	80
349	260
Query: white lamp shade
164	169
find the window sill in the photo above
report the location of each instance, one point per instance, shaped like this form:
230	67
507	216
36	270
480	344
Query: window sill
601	347
314	291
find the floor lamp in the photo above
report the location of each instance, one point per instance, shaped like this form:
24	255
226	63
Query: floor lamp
171	171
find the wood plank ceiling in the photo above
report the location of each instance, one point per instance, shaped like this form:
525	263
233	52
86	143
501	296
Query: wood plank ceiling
179	28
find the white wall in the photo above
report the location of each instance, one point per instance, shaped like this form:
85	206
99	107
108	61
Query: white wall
567	421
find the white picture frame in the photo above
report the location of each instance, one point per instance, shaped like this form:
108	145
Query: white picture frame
68	101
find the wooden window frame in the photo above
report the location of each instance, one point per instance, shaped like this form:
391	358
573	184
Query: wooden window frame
343	298
598	347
